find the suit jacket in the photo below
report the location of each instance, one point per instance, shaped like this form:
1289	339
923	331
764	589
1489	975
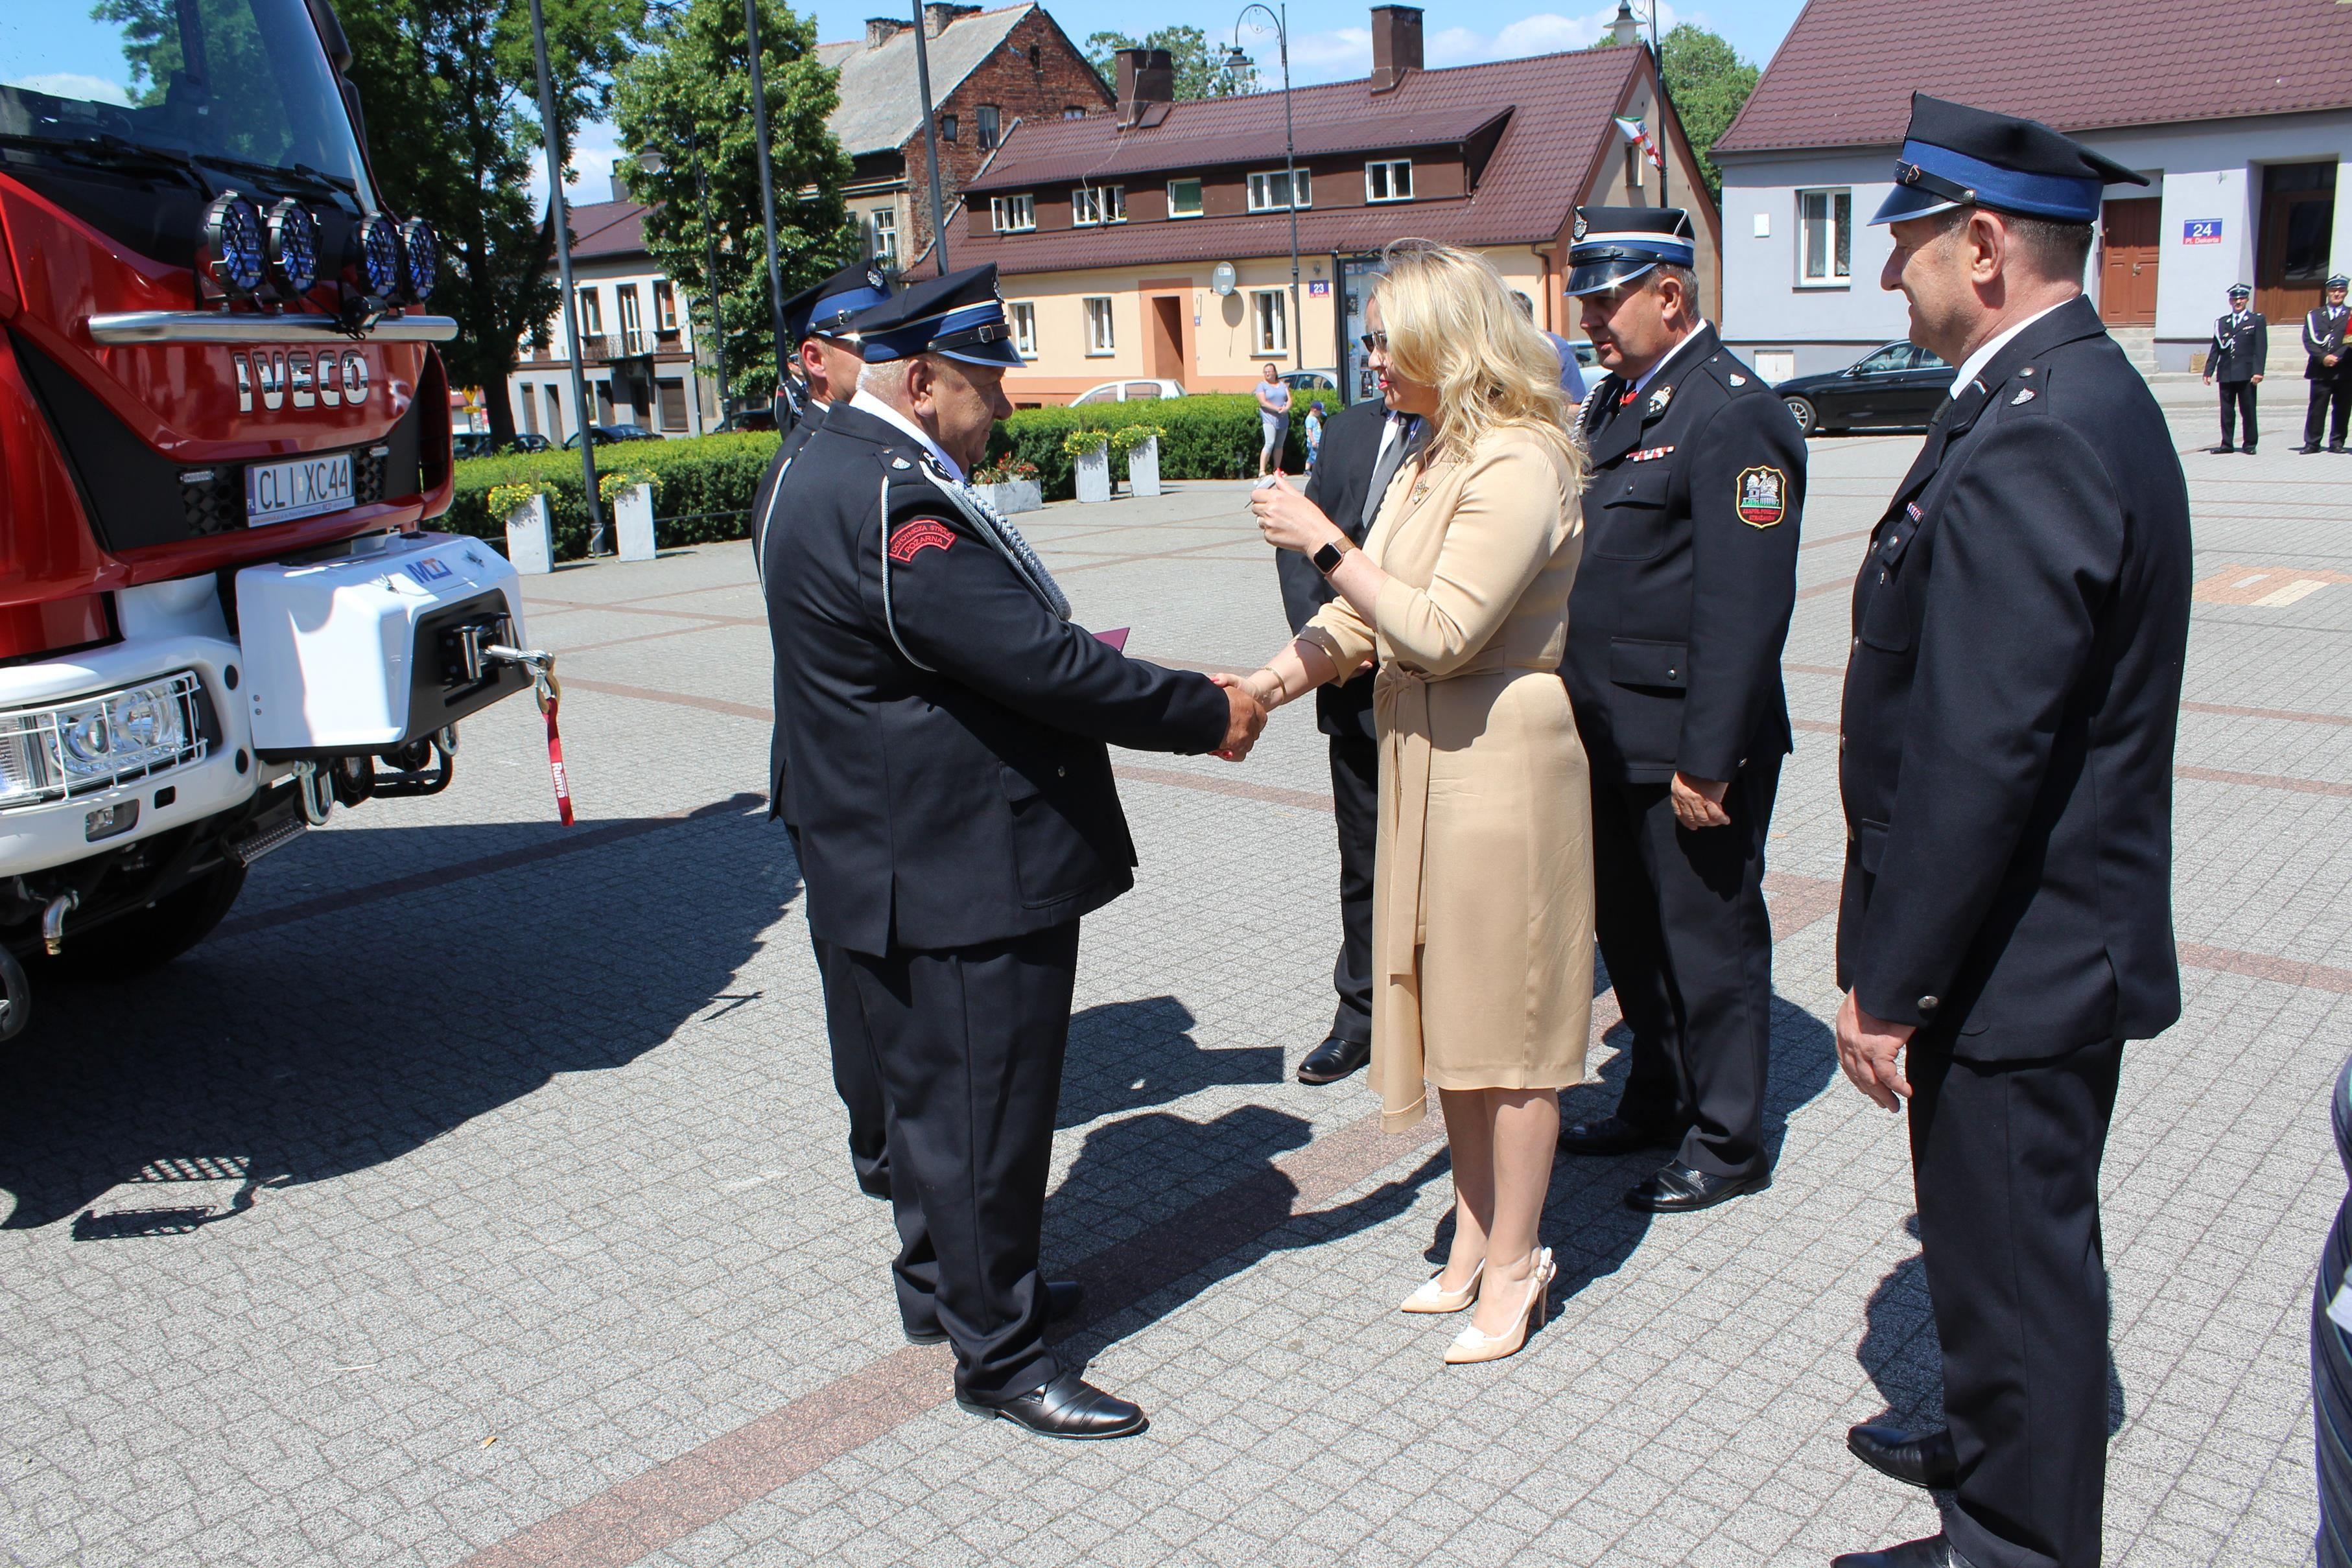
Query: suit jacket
2006	755
945	746
2241	347
1691	515
2323	333
1341	488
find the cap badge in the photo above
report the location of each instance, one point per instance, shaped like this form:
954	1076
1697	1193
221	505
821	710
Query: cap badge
1762	497
1577	233
874	279
1659	399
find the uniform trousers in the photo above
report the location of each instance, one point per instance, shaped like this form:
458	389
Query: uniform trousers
2005	1158
968	1043
855	1077
1688	943
1356	811
2323	390
2236	396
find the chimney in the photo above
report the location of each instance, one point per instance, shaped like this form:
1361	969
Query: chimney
936	16
1145	78
646	162
881	30
1624	28
1396	43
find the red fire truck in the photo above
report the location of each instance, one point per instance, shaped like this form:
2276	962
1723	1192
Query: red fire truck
222	426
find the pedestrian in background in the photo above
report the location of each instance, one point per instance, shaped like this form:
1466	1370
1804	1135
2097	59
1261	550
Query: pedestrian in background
2242	344
1314	434
2328	368
1274	420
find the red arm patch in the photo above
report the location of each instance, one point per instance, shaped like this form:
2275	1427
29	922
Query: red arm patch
923	534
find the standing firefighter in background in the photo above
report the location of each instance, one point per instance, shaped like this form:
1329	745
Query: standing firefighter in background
2242	345
1675	631
2329	368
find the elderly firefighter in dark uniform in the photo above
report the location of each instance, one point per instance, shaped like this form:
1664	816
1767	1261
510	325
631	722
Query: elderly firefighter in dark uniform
2241	347
2328	366
945	736
2006	763
1675	631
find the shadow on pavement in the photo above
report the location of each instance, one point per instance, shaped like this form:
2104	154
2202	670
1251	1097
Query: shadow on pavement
1124	1056
316	1043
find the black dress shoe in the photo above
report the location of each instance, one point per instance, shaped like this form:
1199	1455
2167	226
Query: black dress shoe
1334	1059
1936	1551
2309	450
1063	1297
1927	1460
1679	1189
2221	451
1613	1134
2247	450
1068	1406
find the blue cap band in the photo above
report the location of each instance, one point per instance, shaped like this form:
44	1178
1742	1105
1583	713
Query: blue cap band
827	313
916	337
2061	197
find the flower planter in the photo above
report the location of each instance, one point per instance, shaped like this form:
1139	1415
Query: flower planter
530	538
1011	495
1143	468
1094	475
633	522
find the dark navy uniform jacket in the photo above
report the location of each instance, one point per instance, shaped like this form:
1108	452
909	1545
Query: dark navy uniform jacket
949	778
764	503
1689	572
2325	331
2011	703
2242	346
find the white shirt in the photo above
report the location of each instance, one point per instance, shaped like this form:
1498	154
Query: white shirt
866	402
1392	429
1642	382
1977	361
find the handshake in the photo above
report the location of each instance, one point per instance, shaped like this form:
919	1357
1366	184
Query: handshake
1245	721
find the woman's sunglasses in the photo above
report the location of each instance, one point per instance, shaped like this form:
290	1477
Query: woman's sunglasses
1375	342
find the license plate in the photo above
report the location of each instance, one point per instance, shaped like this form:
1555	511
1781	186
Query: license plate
278	492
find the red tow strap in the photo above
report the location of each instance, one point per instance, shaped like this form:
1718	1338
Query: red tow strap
550	695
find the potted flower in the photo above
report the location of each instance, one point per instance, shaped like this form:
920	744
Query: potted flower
1140	446
1090	449
630	494
531	537
1010	484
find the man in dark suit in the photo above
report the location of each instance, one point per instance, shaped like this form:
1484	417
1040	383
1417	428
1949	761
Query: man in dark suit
944	726
1363	447
2328	366
2006	764
1675	629
2241	347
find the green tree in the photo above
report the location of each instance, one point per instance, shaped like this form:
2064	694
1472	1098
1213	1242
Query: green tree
1708	83
1201	68
683	106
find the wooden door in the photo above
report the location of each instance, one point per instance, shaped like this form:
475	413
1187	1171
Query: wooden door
2129	233
1167	357
2290	259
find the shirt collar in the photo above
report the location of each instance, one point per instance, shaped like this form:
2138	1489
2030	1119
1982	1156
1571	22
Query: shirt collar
1642	384
866	402
1971	367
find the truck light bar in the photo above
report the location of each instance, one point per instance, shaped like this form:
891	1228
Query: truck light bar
251	327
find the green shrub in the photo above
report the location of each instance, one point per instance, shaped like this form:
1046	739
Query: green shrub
703	494
1213	435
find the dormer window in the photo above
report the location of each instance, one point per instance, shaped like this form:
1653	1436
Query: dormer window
1013	214
1184	199
1091	206
1388	180
1272	192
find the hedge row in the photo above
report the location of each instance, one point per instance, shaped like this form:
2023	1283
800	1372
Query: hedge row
1213	435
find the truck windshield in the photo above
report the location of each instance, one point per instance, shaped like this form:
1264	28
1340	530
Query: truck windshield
218	92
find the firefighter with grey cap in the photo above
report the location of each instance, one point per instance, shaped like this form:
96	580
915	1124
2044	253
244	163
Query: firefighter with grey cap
2241	347
1675	632
2328	345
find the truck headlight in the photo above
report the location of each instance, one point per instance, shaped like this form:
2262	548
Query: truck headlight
95	742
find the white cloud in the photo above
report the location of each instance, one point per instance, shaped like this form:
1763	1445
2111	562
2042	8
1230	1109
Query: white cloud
592	157
1345	52
71	84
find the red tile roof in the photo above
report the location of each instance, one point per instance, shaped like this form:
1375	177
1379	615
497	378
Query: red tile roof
1559	108
1845	75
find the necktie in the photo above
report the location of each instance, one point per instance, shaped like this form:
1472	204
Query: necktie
1392	458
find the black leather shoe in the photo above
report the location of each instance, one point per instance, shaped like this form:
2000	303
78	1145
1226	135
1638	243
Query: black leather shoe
1063	1297
1936	1551
1927	1460
2221	451
2247	450
2337	450
1334	1059
2307	450
1679	1189
1068	1406
1613	1134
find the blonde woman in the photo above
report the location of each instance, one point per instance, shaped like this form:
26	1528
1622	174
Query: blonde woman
1482	923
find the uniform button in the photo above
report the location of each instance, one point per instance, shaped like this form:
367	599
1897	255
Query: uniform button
1882	577
1857	642
1841	746
1930	1004
1061	773
1673	674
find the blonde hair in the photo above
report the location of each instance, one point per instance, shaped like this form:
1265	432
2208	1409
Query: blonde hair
1451	323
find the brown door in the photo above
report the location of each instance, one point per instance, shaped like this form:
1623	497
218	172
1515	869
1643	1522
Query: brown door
2128	232
1167	359
2290	259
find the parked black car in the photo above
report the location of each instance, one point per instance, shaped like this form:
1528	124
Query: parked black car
481	443
1895	387
759	416
609	434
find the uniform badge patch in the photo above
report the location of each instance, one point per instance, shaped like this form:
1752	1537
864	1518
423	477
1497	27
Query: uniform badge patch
2024	394
1659	399
1763	498
923	534
1737	379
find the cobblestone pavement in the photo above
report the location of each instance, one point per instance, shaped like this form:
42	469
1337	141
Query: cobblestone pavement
477	1194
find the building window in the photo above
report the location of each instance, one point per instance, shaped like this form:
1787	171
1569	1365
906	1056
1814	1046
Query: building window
1633	169
592	314
554	414
664	305
529	411
1184	199
1024	328
1013	214
1093	204
1073	111
1269	321
1099	337
947	128
985	119
633	326
1270	192
1388	180
671	396
882	227
1825	237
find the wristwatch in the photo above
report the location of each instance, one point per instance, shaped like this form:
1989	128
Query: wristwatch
1326	559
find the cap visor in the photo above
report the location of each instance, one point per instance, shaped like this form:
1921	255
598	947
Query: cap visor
1599	276
1905	202
997	354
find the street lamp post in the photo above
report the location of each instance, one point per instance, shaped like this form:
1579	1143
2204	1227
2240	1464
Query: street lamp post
930	139
767	191
1236	61
711	274
558	216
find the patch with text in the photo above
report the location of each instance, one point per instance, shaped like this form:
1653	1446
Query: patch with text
1763	498
923	534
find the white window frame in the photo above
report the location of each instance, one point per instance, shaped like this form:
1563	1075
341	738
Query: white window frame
1199	210
664	304
1102	325
591	307
882	222
1828	196
1269	308
1091	207
1389	168
1013	214
1024	328
1262	188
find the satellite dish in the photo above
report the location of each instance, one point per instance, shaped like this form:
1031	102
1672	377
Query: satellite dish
1222	280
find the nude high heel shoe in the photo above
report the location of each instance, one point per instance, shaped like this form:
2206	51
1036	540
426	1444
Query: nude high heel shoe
1471	1345
1430	1298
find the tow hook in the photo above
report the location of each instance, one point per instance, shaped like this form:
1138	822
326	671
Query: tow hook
53	921
317	786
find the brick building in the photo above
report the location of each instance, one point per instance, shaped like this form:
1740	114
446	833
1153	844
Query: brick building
990	71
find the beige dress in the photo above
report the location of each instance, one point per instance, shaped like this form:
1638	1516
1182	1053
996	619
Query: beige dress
1481	907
